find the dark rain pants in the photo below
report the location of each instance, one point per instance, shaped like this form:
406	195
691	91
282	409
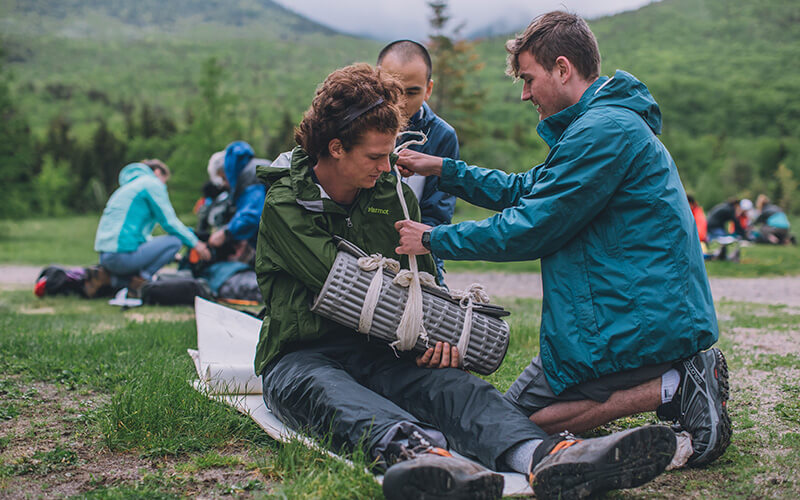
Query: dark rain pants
357	390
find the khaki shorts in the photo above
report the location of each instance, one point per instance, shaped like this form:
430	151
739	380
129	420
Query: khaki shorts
531	392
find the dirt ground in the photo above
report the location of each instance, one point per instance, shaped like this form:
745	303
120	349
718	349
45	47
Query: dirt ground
781	290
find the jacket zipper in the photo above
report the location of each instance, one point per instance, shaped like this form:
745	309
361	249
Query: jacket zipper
349	222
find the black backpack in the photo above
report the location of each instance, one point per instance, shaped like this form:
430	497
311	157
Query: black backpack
174	291
54	280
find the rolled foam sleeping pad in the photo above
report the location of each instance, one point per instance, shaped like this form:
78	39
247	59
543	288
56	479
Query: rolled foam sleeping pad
342	298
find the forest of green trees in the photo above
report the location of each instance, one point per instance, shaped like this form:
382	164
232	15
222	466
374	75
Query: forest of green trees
86	88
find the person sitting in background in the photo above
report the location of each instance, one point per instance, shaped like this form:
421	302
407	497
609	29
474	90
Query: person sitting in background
247	196
722	214
129	256
225	218
213	209
702	232
771	224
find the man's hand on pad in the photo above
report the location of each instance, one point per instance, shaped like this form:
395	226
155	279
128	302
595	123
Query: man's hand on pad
442	356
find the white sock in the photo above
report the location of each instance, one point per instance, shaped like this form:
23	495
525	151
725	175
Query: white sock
518	457
669	384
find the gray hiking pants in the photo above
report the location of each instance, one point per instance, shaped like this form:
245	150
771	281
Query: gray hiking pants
360	392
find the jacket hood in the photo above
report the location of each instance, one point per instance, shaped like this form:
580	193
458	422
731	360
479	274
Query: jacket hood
237	155
134	171
622	90
269	174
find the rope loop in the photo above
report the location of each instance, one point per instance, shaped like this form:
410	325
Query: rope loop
372	263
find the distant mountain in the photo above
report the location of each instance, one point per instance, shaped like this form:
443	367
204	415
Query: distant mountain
122	18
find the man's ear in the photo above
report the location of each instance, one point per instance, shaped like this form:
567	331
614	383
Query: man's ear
564	68
336	148
429	89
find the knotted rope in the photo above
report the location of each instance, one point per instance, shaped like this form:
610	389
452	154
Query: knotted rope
474	294
371	263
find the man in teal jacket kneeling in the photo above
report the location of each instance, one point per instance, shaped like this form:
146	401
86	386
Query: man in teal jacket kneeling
627	308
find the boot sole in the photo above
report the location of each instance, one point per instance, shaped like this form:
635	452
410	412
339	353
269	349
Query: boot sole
435	483
722	429
632	461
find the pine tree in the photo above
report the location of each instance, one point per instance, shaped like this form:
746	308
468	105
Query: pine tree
455	95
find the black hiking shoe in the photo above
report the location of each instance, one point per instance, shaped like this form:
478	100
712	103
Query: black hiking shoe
568	468
438	477
700	405
423	471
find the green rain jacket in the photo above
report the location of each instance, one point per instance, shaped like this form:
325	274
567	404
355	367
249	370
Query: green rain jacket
296	250
622	270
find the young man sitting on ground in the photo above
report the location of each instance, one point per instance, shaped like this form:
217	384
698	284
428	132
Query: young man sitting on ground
327	379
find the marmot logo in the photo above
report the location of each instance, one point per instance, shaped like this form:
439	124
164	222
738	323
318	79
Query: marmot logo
382	211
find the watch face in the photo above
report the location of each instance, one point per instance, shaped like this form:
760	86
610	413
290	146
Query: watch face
426	240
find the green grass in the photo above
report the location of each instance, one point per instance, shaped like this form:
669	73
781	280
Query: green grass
70	241
137	375
63	240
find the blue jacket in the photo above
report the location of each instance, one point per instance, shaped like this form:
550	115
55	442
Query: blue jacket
437	207
133	210
247	191
622	270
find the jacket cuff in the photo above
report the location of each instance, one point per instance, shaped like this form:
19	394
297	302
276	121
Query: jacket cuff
449	173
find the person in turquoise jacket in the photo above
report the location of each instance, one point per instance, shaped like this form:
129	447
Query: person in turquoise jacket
627	309
123	240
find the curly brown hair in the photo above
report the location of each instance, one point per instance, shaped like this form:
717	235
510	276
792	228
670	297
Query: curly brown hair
334	112
552	35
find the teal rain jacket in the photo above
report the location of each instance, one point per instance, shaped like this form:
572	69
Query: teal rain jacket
622	269
133	210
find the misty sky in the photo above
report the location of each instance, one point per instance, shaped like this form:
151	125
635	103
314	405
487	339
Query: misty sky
391	19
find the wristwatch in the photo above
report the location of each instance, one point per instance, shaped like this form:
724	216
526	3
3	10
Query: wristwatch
426	240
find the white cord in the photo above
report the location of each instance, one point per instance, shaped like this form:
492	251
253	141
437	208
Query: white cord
474	294
371	263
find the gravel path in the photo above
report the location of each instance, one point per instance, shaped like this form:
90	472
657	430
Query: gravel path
782	290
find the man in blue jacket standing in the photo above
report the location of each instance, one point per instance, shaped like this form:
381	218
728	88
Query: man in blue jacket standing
410	62
627	307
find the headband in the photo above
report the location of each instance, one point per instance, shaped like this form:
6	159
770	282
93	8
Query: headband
352	115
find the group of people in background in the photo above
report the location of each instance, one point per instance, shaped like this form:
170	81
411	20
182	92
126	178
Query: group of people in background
739	220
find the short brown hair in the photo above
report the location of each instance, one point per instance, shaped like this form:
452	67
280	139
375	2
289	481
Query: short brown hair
156	164
556	34
334	112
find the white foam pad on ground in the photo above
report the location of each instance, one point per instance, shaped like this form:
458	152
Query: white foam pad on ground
226	346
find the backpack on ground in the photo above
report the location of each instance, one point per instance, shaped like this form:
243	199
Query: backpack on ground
174	291
54	280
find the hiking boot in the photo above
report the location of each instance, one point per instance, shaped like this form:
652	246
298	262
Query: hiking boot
426	472
97	280
135	287
568	468
700	405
